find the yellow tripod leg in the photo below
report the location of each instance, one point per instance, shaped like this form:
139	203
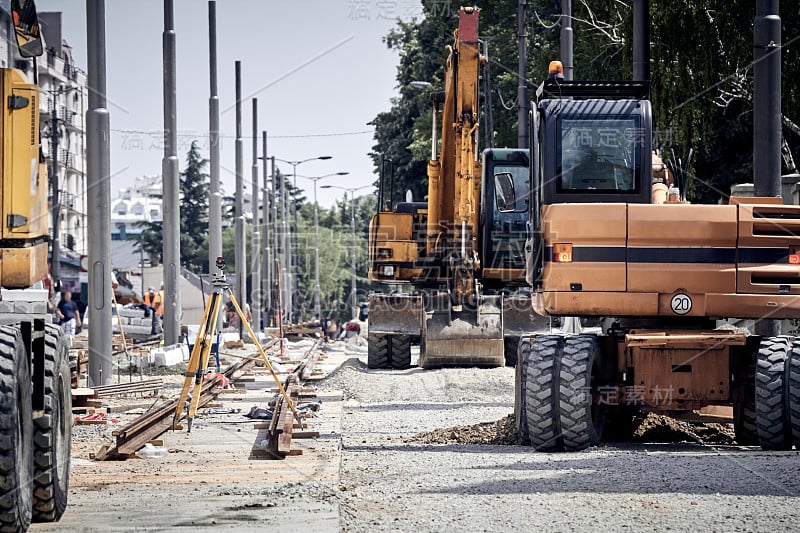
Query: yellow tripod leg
264	356
194	359
207	341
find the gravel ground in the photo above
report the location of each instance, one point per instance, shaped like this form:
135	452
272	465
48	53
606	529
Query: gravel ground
431	450
390	482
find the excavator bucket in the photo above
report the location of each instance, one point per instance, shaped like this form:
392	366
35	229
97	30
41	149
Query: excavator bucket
463	338
396	314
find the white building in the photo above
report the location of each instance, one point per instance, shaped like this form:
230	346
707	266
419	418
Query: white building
62	109
140	203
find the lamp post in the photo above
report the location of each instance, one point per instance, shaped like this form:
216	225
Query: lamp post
292	285
317	307
352	191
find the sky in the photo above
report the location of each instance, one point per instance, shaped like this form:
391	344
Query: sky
319	70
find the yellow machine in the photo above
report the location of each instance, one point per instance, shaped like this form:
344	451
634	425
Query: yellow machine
459	251
35	393
658	275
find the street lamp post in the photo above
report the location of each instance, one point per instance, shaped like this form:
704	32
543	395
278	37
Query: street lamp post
317	306
292	285
352	191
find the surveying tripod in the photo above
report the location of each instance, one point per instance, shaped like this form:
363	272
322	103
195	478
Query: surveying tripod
198	361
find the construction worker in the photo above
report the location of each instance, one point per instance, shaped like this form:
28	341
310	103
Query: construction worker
69	316
154	300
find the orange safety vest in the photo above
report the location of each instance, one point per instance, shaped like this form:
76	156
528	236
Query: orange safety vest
155	303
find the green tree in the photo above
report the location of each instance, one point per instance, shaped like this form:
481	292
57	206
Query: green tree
194	211
193	218
701	74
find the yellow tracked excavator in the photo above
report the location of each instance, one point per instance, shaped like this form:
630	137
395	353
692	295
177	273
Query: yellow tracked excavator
462	251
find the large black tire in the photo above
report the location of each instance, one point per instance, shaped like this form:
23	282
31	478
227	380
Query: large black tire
378	351
510	347
745	426
772	418
401	351
793	389
52	432
520	379
16	433
580	414
541	392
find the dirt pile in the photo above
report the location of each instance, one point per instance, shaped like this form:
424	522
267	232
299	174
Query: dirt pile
500	432
651	428
660	428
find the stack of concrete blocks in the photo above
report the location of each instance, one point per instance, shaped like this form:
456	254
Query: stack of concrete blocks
23	301
134	322
165	356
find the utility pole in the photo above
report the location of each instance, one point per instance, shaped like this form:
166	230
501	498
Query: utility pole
353	295
170	184
241	261
286	282
641	40
767	115
255	269
55	256
566	39
98	171
215	197
266	270
522	88
276	300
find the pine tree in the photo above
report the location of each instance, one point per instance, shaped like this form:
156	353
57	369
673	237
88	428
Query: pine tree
193	218
194	211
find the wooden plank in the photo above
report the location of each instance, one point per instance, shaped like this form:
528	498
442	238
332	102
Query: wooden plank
79	422
85	391
305	434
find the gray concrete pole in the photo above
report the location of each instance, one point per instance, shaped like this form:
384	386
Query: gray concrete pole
241	260
171	186
641	40
215	197
566	39
266	271
317	307
767	115
98	195
353	297
276	232
286	282
255	260
522	77
767	99
294	244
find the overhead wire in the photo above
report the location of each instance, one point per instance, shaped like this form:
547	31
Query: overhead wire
301	136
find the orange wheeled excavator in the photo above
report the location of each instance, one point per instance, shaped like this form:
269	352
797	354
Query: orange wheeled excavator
657	273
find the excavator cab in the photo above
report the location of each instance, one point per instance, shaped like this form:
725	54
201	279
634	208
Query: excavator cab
599	147
591	144
504	216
